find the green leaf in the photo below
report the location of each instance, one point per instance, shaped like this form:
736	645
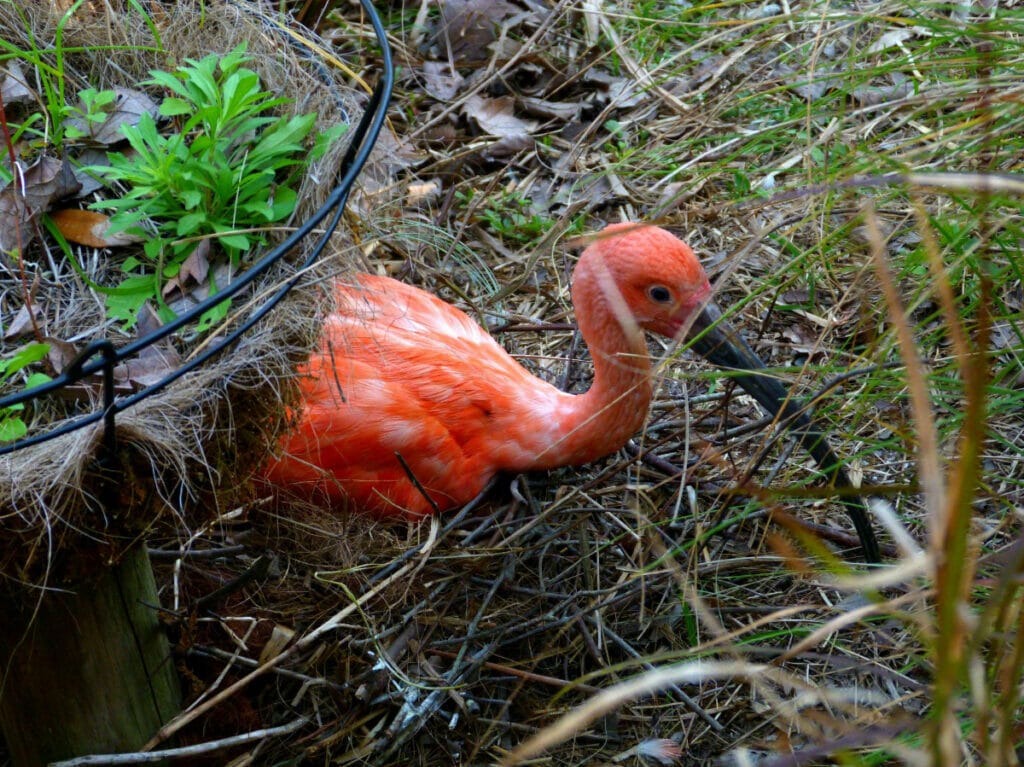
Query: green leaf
26	355
154	248
173	106
213	315
36	379
325	139
284	139
192	198
191	223
285	200
237	241
12	427
168	81
231	61
125	301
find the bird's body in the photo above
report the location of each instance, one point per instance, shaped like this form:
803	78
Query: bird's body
409	406
402	373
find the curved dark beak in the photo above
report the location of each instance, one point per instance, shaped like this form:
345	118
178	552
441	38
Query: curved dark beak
716	341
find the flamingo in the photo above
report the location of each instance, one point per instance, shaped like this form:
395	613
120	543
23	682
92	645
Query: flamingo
409	407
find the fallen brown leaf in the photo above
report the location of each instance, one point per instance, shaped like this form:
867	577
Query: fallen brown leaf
86	227
45	182
83	158
440	80
496	117
13	87
552	110
129	106
62	353
422	194
154	362
21	324
467	27
219	276
194	270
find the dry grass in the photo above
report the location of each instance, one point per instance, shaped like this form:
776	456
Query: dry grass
586	615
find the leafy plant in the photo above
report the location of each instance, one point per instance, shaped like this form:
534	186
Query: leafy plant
512	218
219	176
93	111
12	427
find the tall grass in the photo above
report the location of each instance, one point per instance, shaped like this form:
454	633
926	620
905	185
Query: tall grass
814	128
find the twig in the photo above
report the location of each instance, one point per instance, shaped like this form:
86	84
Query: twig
241	660
416	483
147	757
329	625
690	703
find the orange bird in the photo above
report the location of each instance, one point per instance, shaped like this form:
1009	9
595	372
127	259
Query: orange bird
406	384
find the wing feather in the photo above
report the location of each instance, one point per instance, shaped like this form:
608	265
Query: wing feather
400	371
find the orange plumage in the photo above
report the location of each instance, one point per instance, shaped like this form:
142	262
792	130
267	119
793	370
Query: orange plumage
400	372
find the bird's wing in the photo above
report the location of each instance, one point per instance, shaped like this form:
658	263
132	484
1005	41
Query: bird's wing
401	372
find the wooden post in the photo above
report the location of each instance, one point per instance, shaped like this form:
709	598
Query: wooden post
85	672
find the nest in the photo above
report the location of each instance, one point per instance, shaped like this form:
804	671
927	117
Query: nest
199	435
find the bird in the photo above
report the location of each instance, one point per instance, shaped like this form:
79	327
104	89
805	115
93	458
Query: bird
409	407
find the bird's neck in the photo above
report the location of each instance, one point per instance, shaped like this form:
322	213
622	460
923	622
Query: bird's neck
601	420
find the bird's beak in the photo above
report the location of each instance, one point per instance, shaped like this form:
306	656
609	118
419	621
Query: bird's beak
715	340
720	344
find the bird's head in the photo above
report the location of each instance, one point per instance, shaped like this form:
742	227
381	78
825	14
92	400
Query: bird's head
645	277
649	274
648	278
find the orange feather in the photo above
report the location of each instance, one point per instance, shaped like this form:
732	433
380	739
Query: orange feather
400	372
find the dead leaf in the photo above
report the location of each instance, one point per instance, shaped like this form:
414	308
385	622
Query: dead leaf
495	116
155	361
440	80
608	88
890	39
395	153
799	296
800	341
46	181
507	146
14	88
279	639
21	324
85	157
467	27
153	364
62	353
552	110
127	108
87	227
193	271
221	276
422	194
43	183
148	321
872	95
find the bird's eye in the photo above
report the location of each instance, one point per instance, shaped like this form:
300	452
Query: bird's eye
659	294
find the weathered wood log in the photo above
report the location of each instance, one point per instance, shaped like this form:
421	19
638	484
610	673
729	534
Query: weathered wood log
87	671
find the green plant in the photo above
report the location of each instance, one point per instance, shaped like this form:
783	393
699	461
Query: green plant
511	217
12	427
93	111
223	175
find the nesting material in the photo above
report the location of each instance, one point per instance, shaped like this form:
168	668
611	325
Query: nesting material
200	437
